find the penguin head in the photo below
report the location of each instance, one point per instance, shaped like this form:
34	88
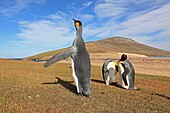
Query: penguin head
77	24
123	57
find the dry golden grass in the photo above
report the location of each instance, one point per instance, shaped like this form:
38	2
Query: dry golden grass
28	87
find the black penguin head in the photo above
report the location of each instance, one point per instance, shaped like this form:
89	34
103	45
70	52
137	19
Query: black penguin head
77	23
123	57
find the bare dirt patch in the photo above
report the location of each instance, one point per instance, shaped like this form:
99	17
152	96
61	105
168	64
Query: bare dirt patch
141	63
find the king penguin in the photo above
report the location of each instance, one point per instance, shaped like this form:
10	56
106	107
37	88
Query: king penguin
80	60
109	69
127	73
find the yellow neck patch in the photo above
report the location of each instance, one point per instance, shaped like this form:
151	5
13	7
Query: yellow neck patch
118	61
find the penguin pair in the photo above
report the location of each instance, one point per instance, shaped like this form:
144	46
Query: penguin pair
109	70
125	69
80	61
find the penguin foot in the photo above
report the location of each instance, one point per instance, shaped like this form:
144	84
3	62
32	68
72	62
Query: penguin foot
85	95
134	88
79	94
114	83
82	94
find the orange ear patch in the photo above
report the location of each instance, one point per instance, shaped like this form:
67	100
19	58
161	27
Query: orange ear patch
77	24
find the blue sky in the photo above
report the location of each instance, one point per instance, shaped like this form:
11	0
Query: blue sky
29	27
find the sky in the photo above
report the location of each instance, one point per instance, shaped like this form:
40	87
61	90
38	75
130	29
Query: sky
29	27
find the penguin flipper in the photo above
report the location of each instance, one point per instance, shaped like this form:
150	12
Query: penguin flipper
58	57
124	79
125	73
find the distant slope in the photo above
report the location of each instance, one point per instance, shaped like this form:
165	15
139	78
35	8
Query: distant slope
124	45
110	45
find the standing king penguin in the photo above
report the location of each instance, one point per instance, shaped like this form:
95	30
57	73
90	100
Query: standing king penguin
127	73
80	60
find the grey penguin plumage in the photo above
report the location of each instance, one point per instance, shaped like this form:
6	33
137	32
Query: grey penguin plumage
109	69
127	73
80	60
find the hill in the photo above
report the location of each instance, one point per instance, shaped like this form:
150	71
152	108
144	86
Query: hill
124	45
111	45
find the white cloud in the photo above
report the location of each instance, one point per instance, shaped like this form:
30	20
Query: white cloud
148	26
87	3
153	21
50	33
107	9
118	8
58	15
8	8
85	17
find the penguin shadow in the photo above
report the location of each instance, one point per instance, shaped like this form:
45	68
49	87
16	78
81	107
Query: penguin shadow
98	81
161	95
112	84
65	84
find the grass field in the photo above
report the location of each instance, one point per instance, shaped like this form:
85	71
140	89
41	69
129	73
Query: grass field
28	87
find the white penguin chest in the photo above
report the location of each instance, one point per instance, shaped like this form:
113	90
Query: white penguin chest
121	69
111	65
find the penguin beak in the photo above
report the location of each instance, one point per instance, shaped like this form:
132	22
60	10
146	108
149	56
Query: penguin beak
76	24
